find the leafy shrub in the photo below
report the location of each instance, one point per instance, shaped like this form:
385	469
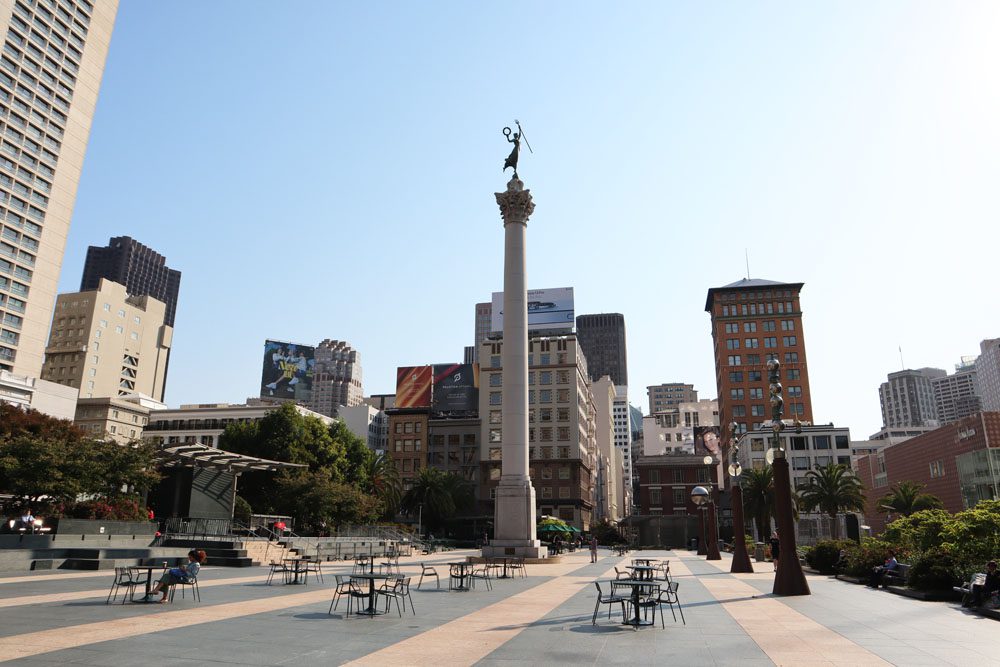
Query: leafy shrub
242	510
118	508
920	531
935	570
871	553
824	555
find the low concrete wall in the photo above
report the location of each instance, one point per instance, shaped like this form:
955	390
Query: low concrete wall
99	527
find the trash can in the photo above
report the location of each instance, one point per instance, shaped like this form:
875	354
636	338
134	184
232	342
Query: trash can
758	552
693	544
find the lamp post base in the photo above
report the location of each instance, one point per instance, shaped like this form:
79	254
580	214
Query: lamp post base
741	559
789	580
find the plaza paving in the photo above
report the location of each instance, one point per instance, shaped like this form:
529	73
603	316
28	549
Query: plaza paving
61	618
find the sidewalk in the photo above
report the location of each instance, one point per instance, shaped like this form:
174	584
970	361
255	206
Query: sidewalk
542	619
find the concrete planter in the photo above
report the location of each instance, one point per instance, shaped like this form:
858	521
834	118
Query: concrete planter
66	526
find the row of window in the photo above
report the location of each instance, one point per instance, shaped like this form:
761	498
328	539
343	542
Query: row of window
544	396
542	359
758	376
544	378
754	359
751	327
656	497
753	343
769	308
755	296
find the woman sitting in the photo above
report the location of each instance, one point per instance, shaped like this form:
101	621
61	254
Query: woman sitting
177	575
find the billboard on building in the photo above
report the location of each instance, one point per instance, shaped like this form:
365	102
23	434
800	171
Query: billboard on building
456	388
550	308
708	441
413	386
287	371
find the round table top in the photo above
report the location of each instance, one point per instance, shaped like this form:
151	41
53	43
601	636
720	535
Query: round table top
640	567
372	576
635	582
461	563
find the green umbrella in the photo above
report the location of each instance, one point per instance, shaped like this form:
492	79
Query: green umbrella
573	529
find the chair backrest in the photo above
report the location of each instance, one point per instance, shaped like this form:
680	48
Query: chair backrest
342	579
403	584
600	593
978	579
425	568
122	574
673	585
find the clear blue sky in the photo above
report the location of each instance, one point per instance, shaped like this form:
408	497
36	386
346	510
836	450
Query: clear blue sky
327	169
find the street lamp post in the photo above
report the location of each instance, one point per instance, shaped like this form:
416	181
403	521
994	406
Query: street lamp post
741	559
789	580
702	497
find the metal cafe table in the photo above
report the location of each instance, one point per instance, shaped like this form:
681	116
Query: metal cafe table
463	568
298	567
372	609
643	561
637	586
505	561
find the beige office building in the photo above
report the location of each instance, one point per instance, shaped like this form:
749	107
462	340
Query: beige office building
107	343
119	419
50	75
561	428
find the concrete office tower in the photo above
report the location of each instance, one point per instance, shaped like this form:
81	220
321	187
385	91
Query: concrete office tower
608	499
754	320
956	396
52	67
142	271
484	318
602	338
514	518
908	398
336	378
988	374
106	343
666	397
623	435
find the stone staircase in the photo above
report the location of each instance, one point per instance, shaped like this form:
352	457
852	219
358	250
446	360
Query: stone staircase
262	552
220	553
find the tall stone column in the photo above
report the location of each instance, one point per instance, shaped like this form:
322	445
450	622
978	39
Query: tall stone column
514	519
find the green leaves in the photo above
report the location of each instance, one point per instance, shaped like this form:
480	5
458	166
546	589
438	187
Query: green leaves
832	489
440	495
906	498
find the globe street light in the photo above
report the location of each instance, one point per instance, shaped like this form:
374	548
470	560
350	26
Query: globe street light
702	497
699	496
789	580
741	559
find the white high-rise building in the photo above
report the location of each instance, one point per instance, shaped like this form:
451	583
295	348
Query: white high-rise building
907	398
52	65
988	374
623	439
956	396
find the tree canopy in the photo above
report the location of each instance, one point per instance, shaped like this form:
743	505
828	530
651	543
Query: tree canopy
907	498
832	489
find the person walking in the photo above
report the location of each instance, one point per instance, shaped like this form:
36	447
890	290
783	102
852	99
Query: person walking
775	547
593	549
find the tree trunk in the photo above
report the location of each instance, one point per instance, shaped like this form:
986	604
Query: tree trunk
833	526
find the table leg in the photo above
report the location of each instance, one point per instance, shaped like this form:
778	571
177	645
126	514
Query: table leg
371	597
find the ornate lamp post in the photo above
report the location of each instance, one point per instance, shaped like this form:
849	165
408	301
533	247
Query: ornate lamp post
702	497
789	579
741	559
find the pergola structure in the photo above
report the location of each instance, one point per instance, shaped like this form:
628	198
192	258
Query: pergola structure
196	455
200	481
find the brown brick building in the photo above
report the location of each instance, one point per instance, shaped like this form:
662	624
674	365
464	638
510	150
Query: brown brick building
665	483
959	463
754	320
408	442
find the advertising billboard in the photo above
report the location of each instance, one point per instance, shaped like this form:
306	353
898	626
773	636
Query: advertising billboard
550	308
456	389
707	441
287	371
413	386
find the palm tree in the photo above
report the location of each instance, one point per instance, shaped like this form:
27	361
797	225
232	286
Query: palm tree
758	498
905	498
832	489
438	493
381	479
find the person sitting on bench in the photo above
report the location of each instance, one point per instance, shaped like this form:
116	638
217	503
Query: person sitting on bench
177	575
992	584
878	573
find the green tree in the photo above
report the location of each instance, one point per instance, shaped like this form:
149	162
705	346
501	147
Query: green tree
320	504
919	531
438	494
381	479
906	498
832	489
357	456
758	498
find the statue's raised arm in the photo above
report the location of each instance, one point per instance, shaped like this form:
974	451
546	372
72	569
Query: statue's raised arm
514	138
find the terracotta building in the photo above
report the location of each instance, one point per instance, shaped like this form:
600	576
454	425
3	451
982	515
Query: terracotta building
754	320
959	463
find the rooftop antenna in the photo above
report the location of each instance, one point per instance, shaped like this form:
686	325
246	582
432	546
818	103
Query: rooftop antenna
746	255
902	366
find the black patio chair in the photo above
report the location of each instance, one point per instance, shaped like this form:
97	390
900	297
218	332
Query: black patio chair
426	571
609	600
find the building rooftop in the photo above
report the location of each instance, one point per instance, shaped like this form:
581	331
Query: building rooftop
747	283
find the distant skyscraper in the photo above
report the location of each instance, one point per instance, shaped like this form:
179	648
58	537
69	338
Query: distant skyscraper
336	378
754	320
956	396
54	60
602	338
666	397
907	398
988	374
484	314
142	271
